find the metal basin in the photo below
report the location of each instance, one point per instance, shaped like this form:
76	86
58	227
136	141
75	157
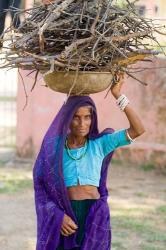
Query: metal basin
83	83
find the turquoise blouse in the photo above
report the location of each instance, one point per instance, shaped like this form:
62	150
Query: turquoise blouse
86	171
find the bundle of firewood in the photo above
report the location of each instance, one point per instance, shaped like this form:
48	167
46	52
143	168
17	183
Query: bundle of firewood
81	35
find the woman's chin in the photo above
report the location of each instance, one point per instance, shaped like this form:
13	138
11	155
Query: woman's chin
82	133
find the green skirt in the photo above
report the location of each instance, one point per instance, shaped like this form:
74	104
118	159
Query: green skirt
81	210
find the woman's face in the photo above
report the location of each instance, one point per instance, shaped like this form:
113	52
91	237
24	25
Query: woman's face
81	122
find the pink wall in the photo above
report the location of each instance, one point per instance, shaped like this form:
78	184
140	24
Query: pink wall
149	102
34	120
43	104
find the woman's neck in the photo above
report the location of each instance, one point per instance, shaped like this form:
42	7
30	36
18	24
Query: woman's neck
76	141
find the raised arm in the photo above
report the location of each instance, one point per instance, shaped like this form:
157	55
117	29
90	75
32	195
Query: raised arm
136	127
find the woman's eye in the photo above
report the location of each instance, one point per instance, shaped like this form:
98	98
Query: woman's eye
88	117
75	118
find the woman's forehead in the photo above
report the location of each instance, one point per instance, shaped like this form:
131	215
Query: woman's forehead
84	110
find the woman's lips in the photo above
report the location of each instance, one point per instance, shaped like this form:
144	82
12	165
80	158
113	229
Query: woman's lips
82	130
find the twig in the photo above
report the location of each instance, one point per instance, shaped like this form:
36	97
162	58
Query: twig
26	95
138	80
36	76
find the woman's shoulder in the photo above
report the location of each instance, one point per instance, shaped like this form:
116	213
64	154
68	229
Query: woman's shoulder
111	136
105	132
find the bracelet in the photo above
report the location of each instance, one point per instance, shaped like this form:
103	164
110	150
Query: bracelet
122	102
120	98
127	133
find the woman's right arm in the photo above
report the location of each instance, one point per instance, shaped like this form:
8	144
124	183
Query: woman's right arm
45	205
44	202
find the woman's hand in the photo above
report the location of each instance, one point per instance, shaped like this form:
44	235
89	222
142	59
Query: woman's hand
116	88
68	226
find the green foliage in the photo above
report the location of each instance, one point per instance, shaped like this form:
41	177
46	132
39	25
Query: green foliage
116	161
13	186
14	180
147	166
118	245
150	247
142	228
162	210
141	194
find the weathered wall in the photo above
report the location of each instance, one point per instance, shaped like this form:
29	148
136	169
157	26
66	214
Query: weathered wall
149	102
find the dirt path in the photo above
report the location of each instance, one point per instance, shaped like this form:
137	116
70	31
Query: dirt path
137	203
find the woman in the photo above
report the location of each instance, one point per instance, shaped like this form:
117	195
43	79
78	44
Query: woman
70	176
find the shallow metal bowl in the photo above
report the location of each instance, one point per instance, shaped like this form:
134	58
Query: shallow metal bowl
83	83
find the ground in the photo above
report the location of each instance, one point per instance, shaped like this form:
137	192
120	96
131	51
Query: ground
137	205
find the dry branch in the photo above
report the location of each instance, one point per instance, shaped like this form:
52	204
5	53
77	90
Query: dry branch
82	35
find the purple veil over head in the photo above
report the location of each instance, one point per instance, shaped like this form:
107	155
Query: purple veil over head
51	198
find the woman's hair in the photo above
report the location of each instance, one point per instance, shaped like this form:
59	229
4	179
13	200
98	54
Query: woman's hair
87	106
91	109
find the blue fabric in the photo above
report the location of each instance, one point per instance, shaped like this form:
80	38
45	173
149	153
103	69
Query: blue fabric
88	169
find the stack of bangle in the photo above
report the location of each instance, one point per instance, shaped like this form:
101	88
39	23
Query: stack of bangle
122	102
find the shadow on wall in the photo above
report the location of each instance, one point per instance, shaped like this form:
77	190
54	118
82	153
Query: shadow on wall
27	149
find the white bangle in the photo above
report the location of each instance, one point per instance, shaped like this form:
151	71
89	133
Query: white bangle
127	133
120	98
122	102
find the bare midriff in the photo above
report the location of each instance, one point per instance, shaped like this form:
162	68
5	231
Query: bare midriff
83	192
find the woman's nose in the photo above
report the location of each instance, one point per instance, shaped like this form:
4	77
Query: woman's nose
82	122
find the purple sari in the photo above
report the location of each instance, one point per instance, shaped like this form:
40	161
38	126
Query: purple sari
51	198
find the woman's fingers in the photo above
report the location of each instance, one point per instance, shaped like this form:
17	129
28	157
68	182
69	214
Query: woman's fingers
68	221
68	226
64	234
72	224
67	231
